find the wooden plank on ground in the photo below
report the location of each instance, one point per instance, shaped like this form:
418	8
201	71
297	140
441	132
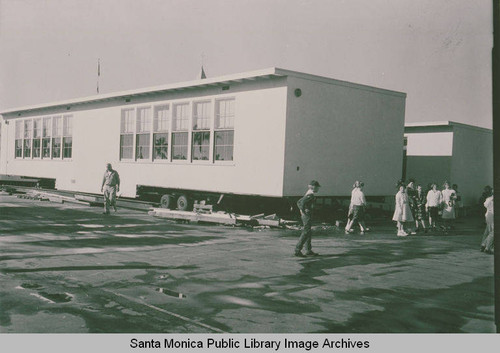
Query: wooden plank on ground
269	222
87	198
220	218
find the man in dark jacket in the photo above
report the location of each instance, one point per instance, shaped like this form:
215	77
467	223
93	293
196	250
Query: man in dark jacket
306	205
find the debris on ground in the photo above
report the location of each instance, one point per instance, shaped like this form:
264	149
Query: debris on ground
201	215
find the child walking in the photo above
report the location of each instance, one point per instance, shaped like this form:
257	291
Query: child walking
402	212
357	209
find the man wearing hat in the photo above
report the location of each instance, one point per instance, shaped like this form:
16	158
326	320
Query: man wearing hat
306	205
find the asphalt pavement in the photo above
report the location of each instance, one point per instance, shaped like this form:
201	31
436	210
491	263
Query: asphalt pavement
69	268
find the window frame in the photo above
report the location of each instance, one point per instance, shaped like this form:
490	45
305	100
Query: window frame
19	137
49	137
128	133
178	121
209	129
28	139
66	134
217	129
176	130
149	126
60	136
40	120
167	131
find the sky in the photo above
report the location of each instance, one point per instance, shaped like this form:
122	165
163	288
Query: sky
436	51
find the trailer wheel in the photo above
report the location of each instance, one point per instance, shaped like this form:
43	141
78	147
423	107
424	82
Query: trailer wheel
183	203
167	201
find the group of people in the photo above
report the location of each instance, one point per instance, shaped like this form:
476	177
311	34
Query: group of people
412	204
414	207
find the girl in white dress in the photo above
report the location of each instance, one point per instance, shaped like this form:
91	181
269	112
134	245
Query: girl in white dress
449	198
402	211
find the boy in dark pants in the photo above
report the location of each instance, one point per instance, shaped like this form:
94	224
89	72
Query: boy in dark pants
306	205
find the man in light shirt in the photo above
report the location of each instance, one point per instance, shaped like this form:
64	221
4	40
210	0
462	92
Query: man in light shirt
357	208
110	186
434	199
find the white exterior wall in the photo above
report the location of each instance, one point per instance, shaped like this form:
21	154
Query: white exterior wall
429	157
429	144
260	113
340	133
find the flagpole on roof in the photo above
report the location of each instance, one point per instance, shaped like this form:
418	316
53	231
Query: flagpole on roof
98	73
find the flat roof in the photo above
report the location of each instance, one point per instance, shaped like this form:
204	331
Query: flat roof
431	124
200	83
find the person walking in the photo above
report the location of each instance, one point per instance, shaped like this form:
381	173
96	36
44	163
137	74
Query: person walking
449	198
487	192
411	191
402	211
459	205
487	243
420	214
306	206
434	199
110	186
357	208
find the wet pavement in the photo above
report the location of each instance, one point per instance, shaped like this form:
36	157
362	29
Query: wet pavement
69	268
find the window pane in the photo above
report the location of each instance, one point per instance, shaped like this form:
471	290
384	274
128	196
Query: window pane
201	145
46	148
46	127
27	128
37	128
57	126
160	148
161	119
68	125
67	147
27	149
56	147
19	130
142	146
224	143
19	148
143	120
181	117
179	145
201	116
224	114
126	146
36	148
127	121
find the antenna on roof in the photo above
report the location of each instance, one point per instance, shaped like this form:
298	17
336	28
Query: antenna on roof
98	73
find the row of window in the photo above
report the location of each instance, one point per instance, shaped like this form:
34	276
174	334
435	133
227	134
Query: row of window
45	138
180	131
198	131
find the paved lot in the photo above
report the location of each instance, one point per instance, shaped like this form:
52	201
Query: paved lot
69	268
